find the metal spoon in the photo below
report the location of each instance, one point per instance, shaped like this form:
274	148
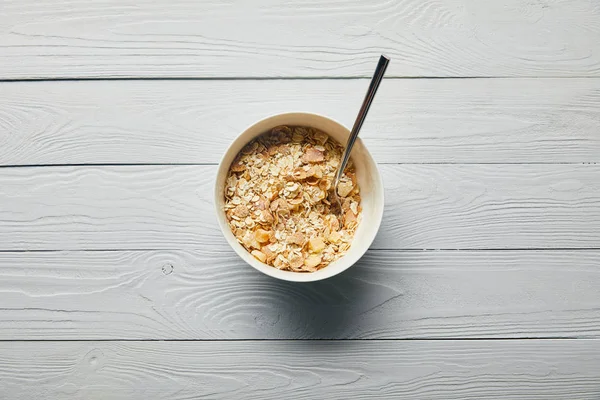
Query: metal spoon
360	118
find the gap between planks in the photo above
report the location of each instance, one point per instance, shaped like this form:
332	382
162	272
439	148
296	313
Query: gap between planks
282	78
424	339
214	164
402	250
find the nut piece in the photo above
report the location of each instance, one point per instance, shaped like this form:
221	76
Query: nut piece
262	204
296	238
296	262
349	218
265	217
313	155
241	211
260	256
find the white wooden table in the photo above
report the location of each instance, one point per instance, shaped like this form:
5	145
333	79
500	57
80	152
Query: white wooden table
484	281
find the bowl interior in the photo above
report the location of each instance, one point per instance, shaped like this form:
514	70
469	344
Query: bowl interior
369	181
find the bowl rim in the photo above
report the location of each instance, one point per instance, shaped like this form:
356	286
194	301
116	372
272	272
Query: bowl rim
345	261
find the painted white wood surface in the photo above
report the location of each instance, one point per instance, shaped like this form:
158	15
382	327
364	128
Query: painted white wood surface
412	121
446	370
505	169
210	294
238	38
427	207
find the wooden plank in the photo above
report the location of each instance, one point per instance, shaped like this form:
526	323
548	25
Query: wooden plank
427	207
210	293
236	38
531	369
412	121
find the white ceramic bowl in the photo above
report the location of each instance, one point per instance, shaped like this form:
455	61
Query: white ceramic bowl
369	180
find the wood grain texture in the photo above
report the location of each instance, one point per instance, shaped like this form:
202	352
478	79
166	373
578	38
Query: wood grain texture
523	370
412	121
211	294
236	38
427	207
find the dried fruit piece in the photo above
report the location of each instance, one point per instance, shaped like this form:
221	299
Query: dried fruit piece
262	236
334	237
316	244
312	261
315	171
344	189
259	255
250	241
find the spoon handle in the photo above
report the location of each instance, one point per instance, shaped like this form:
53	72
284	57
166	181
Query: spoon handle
362	114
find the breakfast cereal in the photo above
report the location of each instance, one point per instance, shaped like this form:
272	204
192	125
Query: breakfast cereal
277	203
